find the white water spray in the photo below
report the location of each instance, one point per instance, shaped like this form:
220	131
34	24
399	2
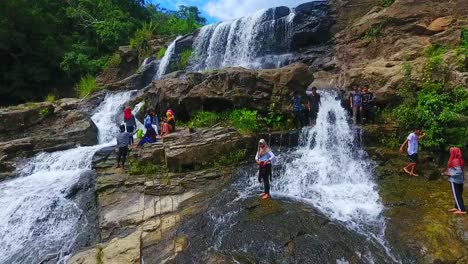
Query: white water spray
166	60
249	42
36	217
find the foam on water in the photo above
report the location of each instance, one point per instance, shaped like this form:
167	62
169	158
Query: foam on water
36	217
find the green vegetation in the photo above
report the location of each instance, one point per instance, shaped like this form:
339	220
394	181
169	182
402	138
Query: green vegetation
50	98
145	168
374	32
86	86
51	43
462	51
387	3
242	119
184	60
437	109
161	53
231	159
45	112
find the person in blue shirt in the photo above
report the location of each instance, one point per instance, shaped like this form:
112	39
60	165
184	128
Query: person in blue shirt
355	102
264	159
412	142
299	110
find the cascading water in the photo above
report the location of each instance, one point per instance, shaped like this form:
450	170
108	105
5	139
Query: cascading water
165	61
248	42
37	218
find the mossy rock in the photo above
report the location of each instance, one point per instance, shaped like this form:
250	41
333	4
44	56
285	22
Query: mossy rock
262	208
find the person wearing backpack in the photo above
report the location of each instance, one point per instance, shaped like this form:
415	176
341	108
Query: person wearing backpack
264	158
455	172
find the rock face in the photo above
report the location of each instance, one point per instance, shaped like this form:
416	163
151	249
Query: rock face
311	24
373	47
28	129
226	89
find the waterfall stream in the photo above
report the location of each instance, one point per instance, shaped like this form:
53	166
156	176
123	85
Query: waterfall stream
250	42
165	61
37	217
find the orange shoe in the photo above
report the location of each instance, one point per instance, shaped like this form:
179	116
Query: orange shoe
266	196
262	194
459	212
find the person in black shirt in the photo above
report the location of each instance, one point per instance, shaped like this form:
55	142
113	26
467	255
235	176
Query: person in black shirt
367	105
313	104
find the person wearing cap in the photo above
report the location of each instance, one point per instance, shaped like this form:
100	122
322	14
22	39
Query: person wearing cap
313	104
412	142
367	105
264	158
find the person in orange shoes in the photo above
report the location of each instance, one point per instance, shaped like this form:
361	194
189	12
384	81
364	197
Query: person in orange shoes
456	174
264	159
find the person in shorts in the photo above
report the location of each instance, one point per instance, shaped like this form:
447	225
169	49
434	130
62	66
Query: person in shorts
412	142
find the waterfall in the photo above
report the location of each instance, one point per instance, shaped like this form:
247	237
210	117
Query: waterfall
330	171
166	60
37	218
257	41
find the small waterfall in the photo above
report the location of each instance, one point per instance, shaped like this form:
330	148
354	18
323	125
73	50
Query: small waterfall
166	60
37	218
251	42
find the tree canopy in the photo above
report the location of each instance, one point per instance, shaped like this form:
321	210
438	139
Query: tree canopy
47	45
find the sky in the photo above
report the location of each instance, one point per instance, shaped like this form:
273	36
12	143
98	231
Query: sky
220	10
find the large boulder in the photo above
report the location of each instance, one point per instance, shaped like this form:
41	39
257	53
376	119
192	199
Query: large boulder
311	24
226	89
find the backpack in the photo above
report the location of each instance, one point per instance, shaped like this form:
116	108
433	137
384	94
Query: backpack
147	120
139	133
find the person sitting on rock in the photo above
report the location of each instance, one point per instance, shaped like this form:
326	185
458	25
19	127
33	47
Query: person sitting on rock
456	173
152	120
367	105
130	122
122	144
264	159
298	107
149	137
313	104
168	124
355	102
412	142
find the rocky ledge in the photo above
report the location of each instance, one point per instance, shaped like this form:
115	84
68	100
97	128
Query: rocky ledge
34	127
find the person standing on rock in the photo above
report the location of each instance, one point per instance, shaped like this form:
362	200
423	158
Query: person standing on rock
412	142
456	173
355	102
367	105
313	104
298	107
122	144
130	122
264	159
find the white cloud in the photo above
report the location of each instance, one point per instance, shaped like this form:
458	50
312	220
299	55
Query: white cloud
230	9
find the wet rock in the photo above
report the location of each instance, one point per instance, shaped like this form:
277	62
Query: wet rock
24	116
226	89
311	24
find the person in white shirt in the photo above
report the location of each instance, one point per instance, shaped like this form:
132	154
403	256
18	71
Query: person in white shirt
264	159
412	142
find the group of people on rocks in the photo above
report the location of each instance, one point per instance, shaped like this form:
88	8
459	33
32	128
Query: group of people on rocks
128	129
454	172
305	114
361	104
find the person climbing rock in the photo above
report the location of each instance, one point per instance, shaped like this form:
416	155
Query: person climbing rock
130	122
298	107
367	106
168	124
122	144
149	137
264	160
313	104
412	142
355	102
455	172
